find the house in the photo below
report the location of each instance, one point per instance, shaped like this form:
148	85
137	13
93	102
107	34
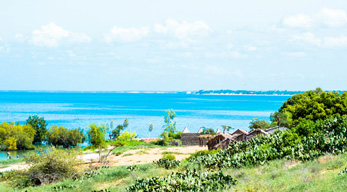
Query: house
239	135
224	144
256	132
189	138
216	140
203	139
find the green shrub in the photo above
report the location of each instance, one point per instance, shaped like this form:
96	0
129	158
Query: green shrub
65	137
46	167
186	181
167	163
169	156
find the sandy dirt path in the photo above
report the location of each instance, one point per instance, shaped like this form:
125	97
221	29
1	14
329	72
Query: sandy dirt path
130	157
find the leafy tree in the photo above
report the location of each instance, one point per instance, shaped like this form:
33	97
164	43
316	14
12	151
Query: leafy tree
127	136
39	124
62	136
282	119
315	105
226	128
208	131
15	136
117	131
150	129
169	120
96	136
259	124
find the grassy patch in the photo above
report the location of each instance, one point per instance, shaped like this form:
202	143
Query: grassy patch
141	152
127	154
10	161
171	152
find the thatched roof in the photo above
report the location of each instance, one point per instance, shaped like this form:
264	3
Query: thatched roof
238	132
185	130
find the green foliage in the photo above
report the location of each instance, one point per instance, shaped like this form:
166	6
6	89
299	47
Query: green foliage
259	124
203	153
127	136
261	149
315	105
169	120
62	136
13	137
132	167
169	156
150	128
46	167
208	131
40	125
177	135
96	136
282	119
343	171
186	181
226	128
166	163
117	131
305	128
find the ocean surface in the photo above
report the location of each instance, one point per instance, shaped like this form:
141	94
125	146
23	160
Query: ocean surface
78	110
73	110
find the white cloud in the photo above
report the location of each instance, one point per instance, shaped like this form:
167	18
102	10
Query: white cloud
333	17
119	34
340	41
51	35
226	54
19	37
300	20
324	42
183	30
230	46
250	48
307	38
294	54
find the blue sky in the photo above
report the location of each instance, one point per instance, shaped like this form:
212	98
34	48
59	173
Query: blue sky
173	45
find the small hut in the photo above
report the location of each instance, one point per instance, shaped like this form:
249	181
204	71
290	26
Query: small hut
256	132
203	139
224	144
216	140
239	135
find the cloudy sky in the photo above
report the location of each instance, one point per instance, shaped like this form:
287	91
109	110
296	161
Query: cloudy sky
113	45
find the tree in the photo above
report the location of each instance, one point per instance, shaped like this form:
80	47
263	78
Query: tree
226	128
39	124
259	124
209	131
117	131
15	136
96	136
62	136
170	123
150	129
282	119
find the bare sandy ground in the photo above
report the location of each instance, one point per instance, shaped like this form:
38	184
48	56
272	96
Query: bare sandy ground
131	157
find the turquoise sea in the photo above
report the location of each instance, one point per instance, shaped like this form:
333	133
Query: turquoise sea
77	109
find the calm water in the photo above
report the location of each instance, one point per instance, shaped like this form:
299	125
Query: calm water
74	110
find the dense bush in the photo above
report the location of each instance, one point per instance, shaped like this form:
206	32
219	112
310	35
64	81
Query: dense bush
46	167
259	150
13	137
187	181
62	136
40	126
167	163
315	105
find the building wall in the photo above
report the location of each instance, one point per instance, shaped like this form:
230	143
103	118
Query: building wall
190	138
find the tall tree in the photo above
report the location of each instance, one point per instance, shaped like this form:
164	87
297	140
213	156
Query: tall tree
226	128
150	129
96	136
170	123
40	125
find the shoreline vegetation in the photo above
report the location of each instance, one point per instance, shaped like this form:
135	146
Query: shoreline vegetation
310	155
